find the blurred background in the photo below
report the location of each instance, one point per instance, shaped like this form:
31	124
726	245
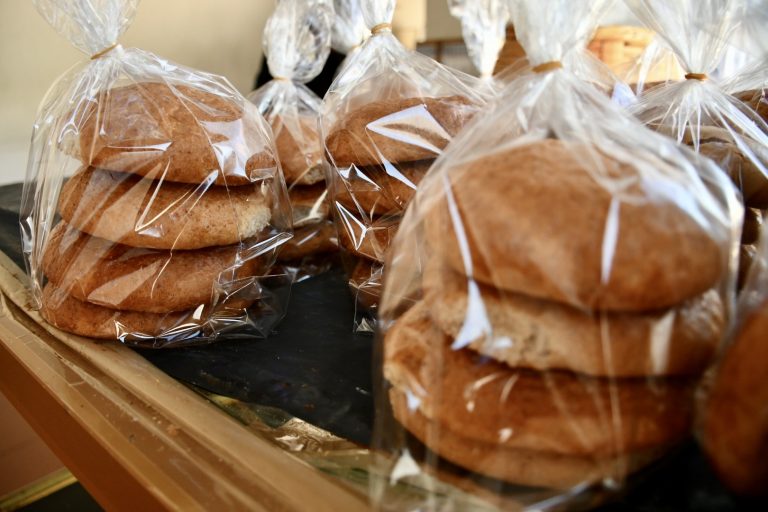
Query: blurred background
222	36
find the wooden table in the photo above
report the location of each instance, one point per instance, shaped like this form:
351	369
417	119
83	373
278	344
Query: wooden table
136	438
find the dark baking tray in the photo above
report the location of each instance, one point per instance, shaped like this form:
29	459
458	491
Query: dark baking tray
314	368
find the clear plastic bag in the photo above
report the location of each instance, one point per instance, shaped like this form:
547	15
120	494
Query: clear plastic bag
748	42
153	204
698	111
584	64
558	284
349	29
656	66
297	41
484	27
387	116
734	412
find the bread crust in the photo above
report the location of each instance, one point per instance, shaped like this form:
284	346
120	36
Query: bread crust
369	239
118	276
757	101
299	149
92	321
522	467
397	130
176	133
537	222
532	333
126	209
554	412
377	190
313	239
309	204
742	170
365	283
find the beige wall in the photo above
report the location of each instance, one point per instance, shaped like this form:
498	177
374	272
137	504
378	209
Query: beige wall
440	23
220	36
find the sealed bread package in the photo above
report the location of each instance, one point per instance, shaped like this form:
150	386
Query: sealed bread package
698	111
154	203
557	286
582	62
484	28
655	66
734	412
751	87
386	118
349	29
297	41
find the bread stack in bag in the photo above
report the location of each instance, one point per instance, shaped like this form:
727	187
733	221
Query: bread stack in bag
700	112
749	86
560	281
154	203
386	118
534	325
297	41
734	413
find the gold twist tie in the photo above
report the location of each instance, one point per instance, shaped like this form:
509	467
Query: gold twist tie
103	52
548	66
696	76
281	79
381	27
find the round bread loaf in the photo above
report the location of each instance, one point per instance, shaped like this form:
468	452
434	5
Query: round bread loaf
138	212
747	254
375	191
522	467
176	133
369	239
757	101
92	321
753	225
309	204
532	333
122	277
299	149
366	282
536	220
735	418
742	170
555	412
314	239
397	130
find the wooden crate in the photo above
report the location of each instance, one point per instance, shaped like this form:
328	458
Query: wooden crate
618	46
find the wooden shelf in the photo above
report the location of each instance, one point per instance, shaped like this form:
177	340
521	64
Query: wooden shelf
136	438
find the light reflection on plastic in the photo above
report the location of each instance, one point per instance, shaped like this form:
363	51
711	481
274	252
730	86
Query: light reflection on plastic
415	118
404	467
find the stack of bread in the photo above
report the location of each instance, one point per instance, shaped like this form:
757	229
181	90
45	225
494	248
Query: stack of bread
750	87
301	157
534	356
700	113
175	212
747	167
297	41
388	116
380	153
